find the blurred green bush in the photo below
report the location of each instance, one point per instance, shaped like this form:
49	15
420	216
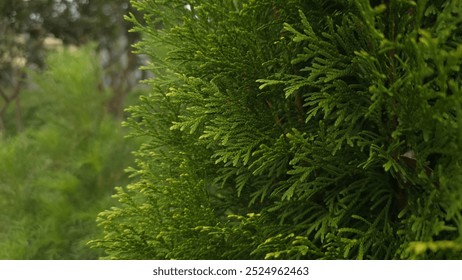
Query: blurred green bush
58	173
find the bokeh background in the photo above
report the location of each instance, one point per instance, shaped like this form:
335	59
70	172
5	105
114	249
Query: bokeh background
67	71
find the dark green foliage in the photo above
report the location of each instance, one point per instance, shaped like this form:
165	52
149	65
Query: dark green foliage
295	129
56	175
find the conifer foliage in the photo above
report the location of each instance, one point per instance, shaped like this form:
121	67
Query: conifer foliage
297	130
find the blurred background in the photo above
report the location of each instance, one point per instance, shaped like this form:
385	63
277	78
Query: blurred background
67	72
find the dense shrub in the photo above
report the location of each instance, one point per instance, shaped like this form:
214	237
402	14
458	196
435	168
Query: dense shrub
295	129
57	174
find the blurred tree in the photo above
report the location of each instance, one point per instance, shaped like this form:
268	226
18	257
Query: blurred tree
28	27
59	172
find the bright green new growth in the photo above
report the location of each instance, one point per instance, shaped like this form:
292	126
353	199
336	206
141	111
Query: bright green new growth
295	129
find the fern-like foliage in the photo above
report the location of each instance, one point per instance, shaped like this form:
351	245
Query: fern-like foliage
295	129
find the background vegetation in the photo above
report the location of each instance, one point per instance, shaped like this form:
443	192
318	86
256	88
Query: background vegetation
65	74
58	172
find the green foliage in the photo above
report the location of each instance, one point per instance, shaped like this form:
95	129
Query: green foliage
295	129
56	175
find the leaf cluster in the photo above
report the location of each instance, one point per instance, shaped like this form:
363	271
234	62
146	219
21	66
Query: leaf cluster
305	129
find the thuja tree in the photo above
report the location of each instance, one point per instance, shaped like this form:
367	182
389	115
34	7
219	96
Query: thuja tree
295	129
